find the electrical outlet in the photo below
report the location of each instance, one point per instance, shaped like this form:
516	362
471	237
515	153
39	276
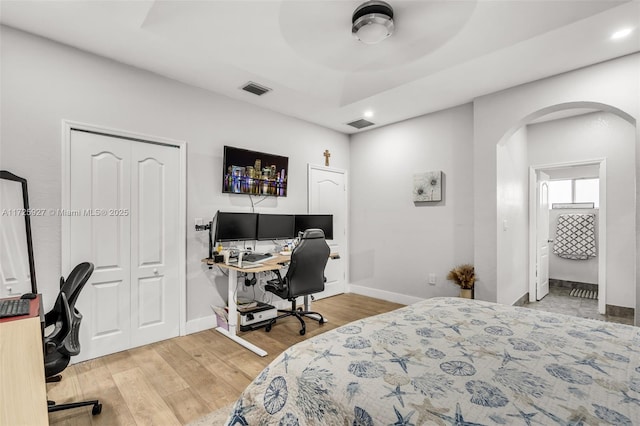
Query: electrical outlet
432	278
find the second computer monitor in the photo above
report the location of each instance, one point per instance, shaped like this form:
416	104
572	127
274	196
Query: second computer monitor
236	226
320	221
276	226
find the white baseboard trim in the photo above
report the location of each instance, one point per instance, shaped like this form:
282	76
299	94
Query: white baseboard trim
384	295
201	324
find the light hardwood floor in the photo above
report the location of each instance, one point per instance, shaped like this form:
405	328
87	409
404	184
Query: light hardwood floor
179	380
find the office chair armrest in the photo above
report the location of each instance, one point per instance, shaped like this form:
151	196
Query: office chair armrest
277	283
55	340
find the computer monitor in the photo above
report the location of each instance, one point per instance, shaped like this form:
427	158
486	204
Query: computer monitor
320	221
276	226
236	226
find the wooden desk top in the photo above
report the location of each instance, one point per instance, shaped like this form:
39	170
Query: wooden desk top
23	392
270	264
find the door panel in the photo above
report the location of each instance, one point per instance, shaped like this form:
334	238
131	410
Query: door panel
107	299
151	301
327	195
100	174
154	242
150	249
107	186
542	226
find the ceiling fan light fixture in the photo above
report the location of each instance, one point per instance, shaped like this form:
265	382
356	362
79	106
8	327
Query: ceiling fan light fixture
372	22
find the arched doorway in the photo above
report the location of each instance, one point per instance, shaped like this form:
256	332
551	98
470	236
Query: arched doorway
514	243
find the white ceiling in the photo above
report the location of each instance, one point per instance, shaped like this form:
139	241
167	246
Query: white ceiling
444	53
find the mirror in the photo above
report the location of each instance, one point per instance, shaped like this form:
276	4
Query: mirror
17	267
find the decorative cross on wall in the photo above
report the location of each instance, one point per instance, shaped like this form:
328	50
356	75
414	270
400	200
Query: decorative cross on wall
326	154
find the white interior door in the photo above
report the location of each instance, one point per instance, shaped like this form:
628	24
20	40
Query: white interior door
125	194
100	179
542	231
154	243
328	195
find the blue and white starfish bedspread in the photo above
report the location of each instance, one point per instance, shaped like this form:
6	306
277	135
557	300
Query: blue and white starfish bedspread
451	361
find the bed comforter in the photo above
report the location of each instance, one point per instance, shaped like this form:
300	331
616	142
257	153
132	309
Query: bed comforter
451	361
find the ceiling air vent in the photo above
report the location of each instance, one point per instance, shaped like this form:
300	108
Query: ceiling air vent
360	124
256	89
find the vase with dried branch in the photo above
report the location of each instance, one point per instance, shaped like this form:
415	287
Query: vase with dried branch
465	277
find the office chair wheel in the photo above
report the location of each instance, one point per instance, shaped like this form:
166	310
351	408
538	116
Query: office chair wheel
97	409
322	321
302	332
267	328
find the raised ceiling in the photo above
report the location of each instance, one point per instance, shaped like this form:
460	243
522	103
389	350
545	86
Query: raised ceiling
444	53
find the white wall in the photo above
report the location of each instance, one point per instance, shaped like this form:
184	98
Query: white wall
395	243
44	82
614	83
588	137
513	218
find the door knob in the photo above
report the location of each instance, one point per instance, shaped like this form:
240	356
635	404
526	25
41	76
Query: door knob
549	241
155	271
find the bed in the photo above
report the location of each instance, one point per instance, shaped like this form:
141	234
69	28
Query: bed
453	361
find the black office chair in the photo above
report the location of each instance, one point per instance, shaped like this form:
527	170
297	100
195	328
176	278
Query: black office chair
71	288
304	277
63	342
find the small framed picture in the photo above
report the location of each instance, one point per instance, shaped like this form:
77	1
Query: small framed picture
427	186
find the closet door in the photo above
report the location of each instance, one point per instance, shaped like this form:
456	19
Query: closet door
126	195
100	185
154	243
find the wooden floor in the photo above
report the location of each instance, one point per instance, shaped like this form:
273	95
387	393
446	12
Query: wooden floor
180	380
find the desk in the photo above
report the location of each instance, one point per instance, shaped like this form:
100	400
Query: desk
23	392
271	264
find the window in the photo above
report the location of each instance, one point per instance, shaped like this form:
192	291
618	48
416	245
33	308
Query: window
586	191
560	192
575	191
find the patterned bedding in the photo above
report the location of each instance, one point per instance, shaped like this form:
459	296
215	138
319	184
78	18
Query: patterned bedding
451	361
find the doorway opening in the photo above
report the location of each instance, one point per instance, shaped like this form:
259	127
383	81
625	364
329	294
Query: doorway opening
567	243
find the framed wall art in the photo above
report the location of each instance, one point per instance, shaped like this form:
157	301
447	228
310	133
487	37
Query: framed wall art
427	186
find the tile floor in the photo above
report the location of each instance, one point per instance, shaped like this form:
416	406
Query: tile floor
559	301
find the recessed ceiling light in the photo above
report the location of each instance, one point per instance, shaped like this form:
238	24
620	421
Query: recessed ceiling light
368	114
621	33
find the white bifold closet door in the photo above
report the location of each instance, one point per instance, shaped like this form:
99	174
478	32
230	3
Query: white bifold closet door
126	196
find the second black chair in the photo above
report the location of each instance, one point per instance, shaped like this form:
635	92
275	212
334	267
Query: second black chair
304	277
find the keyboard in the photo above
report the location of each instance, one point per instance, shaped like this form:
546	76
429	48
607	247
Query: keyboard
14	307
255	257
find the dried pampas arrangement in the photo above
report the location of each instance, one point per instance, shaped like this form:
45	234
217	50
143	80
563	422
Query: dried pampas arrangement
463	275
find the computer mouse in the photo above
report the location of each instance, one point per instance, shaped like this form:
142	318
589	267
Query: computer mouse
29	296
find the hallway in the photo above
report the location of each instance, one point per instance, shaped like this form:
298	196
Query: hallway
559	301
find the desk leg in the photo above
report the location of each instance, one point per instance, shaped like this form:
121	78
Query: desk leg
233	317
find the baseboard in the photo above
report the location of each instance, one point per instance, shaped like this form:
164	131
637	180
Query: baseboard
384	295
201	324
522	300
620	311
